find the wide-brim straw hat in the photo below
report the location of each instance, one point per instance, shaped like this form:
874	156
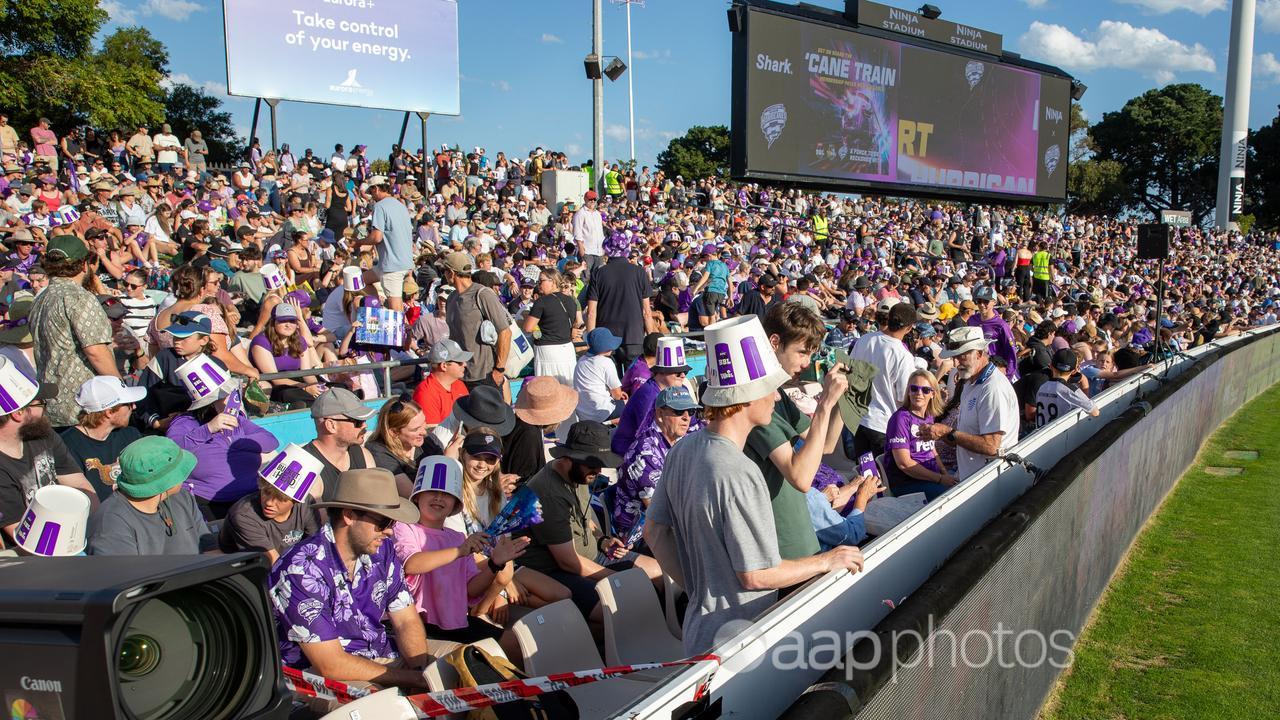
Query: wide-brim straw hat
545	401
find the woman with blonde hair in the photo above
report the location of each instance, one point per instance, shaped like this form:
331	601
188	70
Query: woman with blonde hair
396	442
910	461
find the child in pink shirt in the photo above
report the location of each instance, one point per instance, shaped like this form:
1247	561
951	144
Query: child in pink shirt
444	568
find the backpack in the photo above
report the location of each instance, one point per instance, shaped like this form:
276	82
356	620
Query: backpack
476	667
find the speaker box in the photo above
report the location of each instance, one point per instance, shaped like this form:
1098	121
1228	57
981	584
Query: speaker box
1153	241
155	638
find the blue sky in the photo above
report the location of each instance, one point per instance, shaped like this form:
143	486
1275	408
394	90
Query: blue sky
523	83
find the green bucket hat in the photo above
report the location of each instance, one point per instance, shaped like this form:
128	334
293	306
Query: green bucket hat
152	465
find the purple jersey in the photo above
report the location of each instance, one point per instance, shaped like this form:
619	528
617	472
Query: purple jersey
1001	344
903	433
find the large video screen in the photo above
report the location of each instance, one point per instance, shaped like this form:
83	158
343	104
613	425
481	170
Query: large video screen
388	54
832	106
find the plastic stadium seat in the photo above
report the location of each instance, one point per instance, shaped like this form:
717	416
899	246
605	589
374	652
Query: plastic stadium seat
635	630
555	638
443	676
385	705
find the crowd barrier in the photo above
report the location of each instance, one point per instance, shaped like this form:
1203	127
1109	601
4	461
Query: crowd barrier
1048	579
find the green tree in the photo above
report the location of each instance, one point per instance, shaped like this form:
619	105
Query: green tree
1094	186
1166	142
1262	184
187	108
701	152
49	66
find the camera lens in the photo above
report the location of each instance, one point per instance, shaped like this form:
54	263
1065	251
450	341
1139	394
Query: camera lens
191	654
139	655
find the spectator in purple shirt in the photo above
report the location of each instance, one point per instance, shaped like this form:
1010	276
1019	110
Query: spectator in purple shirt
669	370
332	591
910	461
995	329
674	417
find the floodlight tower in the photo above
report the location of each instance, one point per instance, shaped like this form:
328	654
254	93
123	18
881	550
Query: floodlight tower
1235	116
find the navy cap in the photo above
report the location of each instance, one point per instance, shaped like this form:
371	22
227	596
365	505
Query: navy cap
676	398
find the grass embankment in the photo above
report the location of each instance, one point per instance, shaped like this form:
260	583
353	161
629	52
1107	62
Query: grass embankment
1190	626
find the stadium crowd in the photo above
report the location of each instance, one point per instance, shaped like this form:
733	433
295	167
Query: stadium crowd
149	303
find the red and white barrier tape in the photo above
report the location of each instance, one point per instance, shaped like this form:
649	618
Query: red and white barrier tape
447	702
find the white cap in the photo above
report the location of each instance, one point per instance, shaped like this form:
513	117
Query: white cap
271	276
741	364
205	380
104	392
293	471
352	279
54	524
887	304
441	473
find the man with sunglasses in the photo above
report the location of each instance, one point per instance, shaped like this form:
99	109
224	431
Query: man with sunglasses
675	415
340	429
332	591
995	329
988	422
668	371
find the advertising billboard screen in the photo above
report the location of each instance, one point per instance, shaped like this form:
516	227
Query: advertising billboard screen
832	106
389	54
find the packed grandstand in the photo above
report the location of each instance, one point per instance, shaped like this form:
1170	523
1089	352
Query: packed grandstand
517	396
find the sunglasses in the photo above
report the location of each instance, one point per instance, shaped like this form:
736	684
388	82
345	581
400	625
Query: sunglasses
353	421
400	404
134	286
183	320
920	390
691	412
381	523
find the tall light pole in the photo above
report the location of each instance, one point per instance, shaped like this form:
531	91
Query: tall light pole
1235	115
631	93
597	96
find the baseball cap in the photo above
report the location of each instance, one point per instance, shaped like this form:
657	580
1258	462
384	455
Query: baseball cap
340	401
984	293
68	247
482	444
103	392
459	262
1065	360
887	304
591	195
186	324
676	398
447	350
284	312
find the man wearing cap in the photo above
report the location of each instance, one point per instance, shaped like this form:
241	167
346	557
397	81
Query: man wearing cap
31	453
1060	395
340	419
391	232
332	591
988	421
714	282
567	545
757	300
466	312
151	513
103	431
709	523
672	419
588	231
885	350
196	151
443	386
995	329
639	409
71	331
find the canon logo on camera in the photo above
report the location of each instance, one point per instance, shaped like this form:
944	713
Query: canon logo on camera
30	683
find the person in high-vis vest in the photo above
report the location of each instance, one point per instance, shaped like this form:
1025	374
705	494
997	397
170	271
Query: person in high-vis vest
613	182
1040	271
820	223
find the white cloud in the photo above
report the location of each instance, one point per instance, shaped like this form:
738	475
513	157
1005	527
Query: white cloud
1160	7
1035	3
549	38
1268	15
1116	45
651	54
178	10
616	132
1266	67
502	85
210	86
118	13
573	150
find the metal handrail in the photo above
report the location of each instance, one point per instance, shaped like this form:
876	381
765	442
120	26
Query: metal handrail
384	365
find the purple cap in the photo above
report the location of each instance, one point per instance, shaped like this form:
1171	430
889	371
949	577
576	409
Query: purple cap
204	206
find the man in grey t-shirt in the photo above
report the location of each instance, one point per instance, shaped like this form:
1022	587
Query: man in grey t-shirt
710	522
392	234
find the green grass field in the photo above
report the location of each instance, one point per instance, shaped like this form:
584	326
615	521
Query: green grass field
1190	626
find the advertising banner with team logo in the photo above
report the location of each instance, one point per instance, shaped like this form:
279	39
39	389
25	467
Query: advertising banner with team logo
848	108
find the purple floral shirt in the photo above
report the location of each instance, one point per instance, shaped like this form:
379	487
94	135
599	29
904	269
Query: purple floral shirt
638	476
314	602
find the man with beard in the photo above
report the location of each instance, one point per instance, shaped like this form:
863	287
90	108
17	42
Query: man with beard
331	591
988	422
568	545
32	455
340	429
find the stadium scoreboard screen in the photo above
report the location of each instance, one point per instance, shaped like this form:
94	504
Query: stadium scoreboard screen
829	106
